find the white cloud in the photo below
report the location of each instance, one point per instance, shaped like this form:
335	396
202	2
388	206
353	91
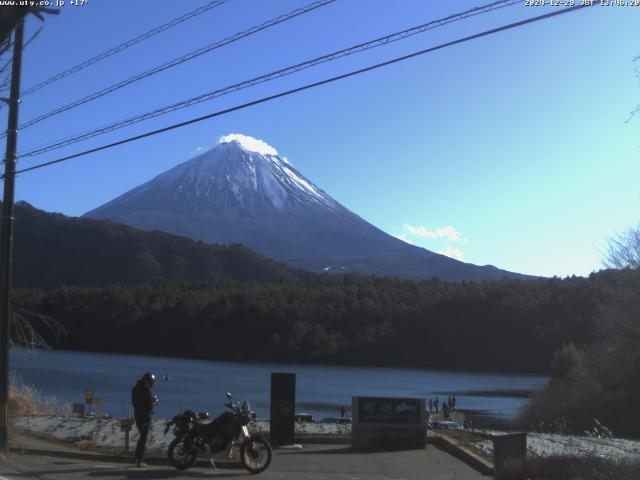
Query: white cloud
453	253
419	231
249	143
449	233
446	232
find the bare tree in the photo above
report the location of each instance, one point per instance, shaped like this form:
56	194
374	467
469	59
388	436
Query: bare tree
619	319
624	250
33	330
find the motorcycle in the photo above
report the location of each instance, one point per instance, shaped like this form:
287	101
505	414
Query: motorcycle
228	431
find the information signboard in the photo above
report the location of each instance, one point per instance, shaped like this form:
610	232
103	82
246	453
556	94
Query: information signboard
389	410
283	407
388	422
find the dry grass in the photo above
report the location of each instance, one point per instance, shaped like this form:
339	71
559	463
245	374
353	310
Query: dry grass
571	468
25	399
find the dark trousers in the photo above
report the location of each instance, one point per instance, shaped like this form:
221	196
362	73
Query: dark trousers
143	425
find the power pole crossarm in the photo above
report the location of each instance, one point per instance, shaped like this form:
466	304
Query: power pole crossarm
6	240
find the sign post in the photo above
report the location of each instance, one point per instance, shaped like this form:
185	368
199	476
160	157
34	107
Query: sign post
88	397
126	425
99	403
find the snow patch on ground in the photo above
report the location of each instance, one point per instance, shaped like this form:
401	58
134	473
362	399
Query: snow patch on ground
106	433
547	444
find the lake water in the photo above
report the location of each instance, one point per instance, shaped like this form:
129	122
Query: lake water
201	385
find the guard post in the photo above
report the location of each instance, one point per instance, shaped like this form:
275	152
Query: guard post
508	448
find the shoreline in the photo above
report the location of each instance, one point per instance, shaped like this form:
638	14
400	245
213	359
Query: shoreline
390	366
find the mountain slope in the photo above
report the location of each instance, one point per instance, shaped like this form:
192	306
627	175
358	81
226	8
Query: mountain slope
53	250
234	194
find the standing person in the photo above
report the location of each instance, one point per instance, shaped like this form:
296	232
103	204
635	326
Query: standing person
435	404
431	405
143	401
453	402
342	411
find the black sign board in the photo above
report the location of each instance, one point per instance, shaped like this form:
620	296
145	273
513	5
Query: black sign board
78	409
389	410
283	407
126	424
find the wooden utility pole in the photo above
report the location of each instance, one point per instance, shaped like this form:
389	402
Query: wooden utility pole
6	245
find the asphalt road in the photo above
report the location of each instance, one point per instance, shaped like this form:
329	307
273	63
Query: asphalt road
326	462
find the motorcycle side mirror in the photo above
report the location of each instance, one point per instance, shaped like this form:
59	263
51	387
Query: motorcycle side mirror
228	395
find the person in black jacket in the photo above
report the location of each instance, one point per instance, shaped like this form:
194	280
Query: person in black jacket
143	401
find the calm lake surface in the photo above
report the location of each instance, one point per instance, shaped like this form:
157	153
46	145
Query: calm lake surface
201	385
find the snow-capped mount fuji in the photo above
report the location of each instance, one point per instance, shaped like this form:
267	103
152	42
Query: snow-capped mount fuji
243	192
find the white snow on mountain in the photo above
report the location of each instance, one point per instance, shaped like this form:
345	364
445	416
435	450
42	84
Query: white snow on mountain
250	143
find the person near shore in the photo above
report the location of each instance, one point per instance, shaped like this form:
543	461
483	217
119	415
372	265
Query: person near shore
435	404
431	405
445	410
143	401
342	411
453	402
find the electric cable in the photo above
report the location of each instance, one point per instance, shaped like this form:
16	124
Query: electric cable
310	85
124	46
176	61
267	77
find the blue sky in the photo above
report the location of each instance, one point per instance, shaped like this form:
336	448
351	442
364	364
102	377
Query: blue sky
510	150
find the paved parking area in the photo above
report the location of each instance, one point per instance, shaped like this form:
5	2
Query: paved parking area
326	462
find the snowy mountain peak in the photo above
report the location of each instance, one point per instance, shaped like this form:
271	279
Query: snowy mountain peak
240	172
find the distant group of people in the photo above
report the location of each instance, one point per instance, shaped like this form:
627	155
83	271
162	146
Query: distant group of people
448	406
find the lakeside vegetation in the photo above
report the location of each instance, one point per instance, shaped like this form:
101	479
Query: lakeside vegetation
26	399
597	383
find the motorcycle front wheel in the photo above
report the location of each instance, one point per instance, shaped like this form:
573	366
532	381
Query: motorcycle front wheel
255	454
181	455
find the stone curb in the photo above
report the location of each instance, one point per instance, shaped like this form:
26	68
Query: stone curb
470	458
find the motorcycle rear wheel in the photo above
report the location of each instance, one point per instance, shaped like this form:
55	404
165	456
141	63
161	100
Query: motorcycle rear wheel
181	455
255	454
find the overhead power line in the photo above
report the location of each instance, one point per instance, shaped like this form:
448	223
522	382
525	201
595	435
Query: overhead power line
124	46
268	77
308	86
178	61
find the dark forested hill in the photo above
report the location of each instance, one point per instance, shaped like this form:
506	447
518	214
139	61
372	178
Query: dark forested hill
504	325
53	250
